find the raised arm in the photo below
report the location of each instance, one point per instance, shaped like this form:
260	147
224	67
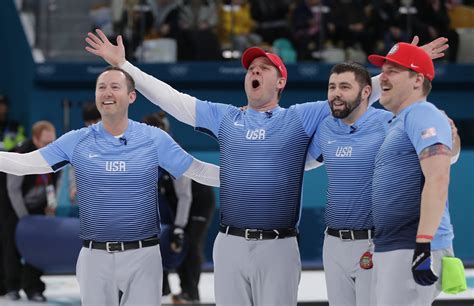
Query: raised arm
204	173
24	164
179	105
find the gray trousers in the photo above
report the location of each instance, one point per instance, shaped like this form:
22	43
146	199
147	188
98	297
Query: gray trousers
257	273
393	281
137	273
346	282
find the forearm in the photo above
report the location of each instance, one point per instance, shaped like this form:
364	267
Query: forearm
183	190
456	150
24	164
433	202
177	104
204	173
376	90
15	195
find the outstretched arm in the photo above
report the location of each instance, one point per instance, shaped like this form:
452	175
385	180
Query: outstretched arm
24	164
204	173
179	105
435	49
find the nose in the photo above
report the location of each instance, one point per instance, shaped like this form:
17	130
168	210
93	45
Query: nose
256	71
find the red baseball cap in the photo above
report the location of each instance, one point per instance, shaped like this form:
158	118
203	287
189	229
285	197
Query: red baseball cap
409	56
252	53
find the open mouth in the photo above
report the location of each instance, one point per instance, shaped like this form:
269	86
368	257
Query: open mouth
255	84
108	102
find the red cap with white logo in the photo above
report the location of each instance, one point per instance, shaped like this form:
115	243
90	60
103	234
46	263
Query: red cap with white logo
252	53
409	56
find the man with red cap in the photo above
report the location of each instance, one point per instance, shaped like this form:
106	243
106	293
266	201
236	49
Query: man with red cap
263	152
410	182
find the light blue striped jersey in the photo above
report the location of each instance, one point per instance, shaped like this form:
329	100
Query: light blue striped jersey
398	179
117	179
349	156
262	157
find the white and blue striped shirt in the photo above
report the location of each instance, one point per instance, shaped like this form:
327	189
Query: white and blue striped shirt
398	179
117	178
349	155
262	160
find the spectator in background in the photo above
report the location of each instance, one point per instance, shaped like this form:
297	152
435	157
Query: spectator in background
191	205
308	28
135	22
271	18
236	25
11	132
347	25
166	17
433	21
29	195
198	24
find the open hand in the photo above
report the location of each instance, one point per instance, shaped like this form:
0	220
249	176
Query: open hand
100	45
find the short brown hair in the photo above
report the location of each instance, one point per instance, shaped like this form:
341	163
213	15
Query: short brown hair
40	126
361	74
426	83
128	78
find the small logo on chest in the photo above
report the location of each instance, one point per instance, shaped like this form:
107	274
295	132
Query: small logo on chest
344	151
257	134
115	166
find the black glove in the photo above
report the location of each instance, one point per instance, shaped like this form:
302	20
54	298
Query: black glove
421	265
177	239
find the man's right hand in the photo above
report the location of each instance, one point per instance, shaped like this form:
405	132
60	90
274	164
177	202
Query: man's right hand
100	45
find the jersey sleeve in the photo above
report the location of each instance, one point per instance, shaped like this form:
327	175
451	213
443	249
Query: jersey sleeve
312	114
426	126
59	152
209	116
171	156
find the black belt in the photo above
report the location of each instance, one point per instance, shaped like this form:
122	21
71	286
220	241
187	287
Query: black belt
256	234
115	246
350	234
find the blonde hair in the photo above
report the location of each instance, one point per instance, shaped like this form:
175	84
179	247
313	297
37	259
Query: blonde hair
40	126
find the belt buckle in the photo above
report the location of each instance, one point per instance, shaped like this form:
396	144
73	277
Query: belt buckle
249	231
346	231
113	243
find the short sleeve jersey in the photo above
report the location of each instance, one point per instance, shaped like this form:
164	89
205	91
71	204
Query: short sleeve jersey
398	180
117	178
262	157
349	153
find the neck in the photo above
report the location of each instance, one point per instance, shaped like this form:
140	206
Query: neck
115	127
413	98
263	108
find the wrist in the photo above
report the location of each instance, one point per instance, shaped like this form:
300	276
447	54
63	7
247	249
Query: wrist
424	238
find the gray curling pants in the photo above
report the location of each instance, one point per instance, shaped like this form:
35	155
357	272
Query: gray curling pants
256	273
137	273
346	282
393	281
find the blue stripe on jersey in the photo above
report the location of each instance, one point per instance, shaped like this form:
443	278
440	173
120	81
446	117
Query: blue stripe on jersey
117	183
262	158
349	157
398	179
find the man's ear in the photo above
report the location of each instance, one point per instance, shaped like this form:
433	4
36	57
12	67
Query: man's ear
281	83
132	96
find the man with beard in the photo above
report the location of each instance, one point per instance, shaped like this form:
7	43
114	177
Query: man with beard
260	193
348	143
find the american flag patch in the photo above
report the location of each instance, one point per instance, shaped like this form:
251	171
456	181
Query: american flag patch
429	132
